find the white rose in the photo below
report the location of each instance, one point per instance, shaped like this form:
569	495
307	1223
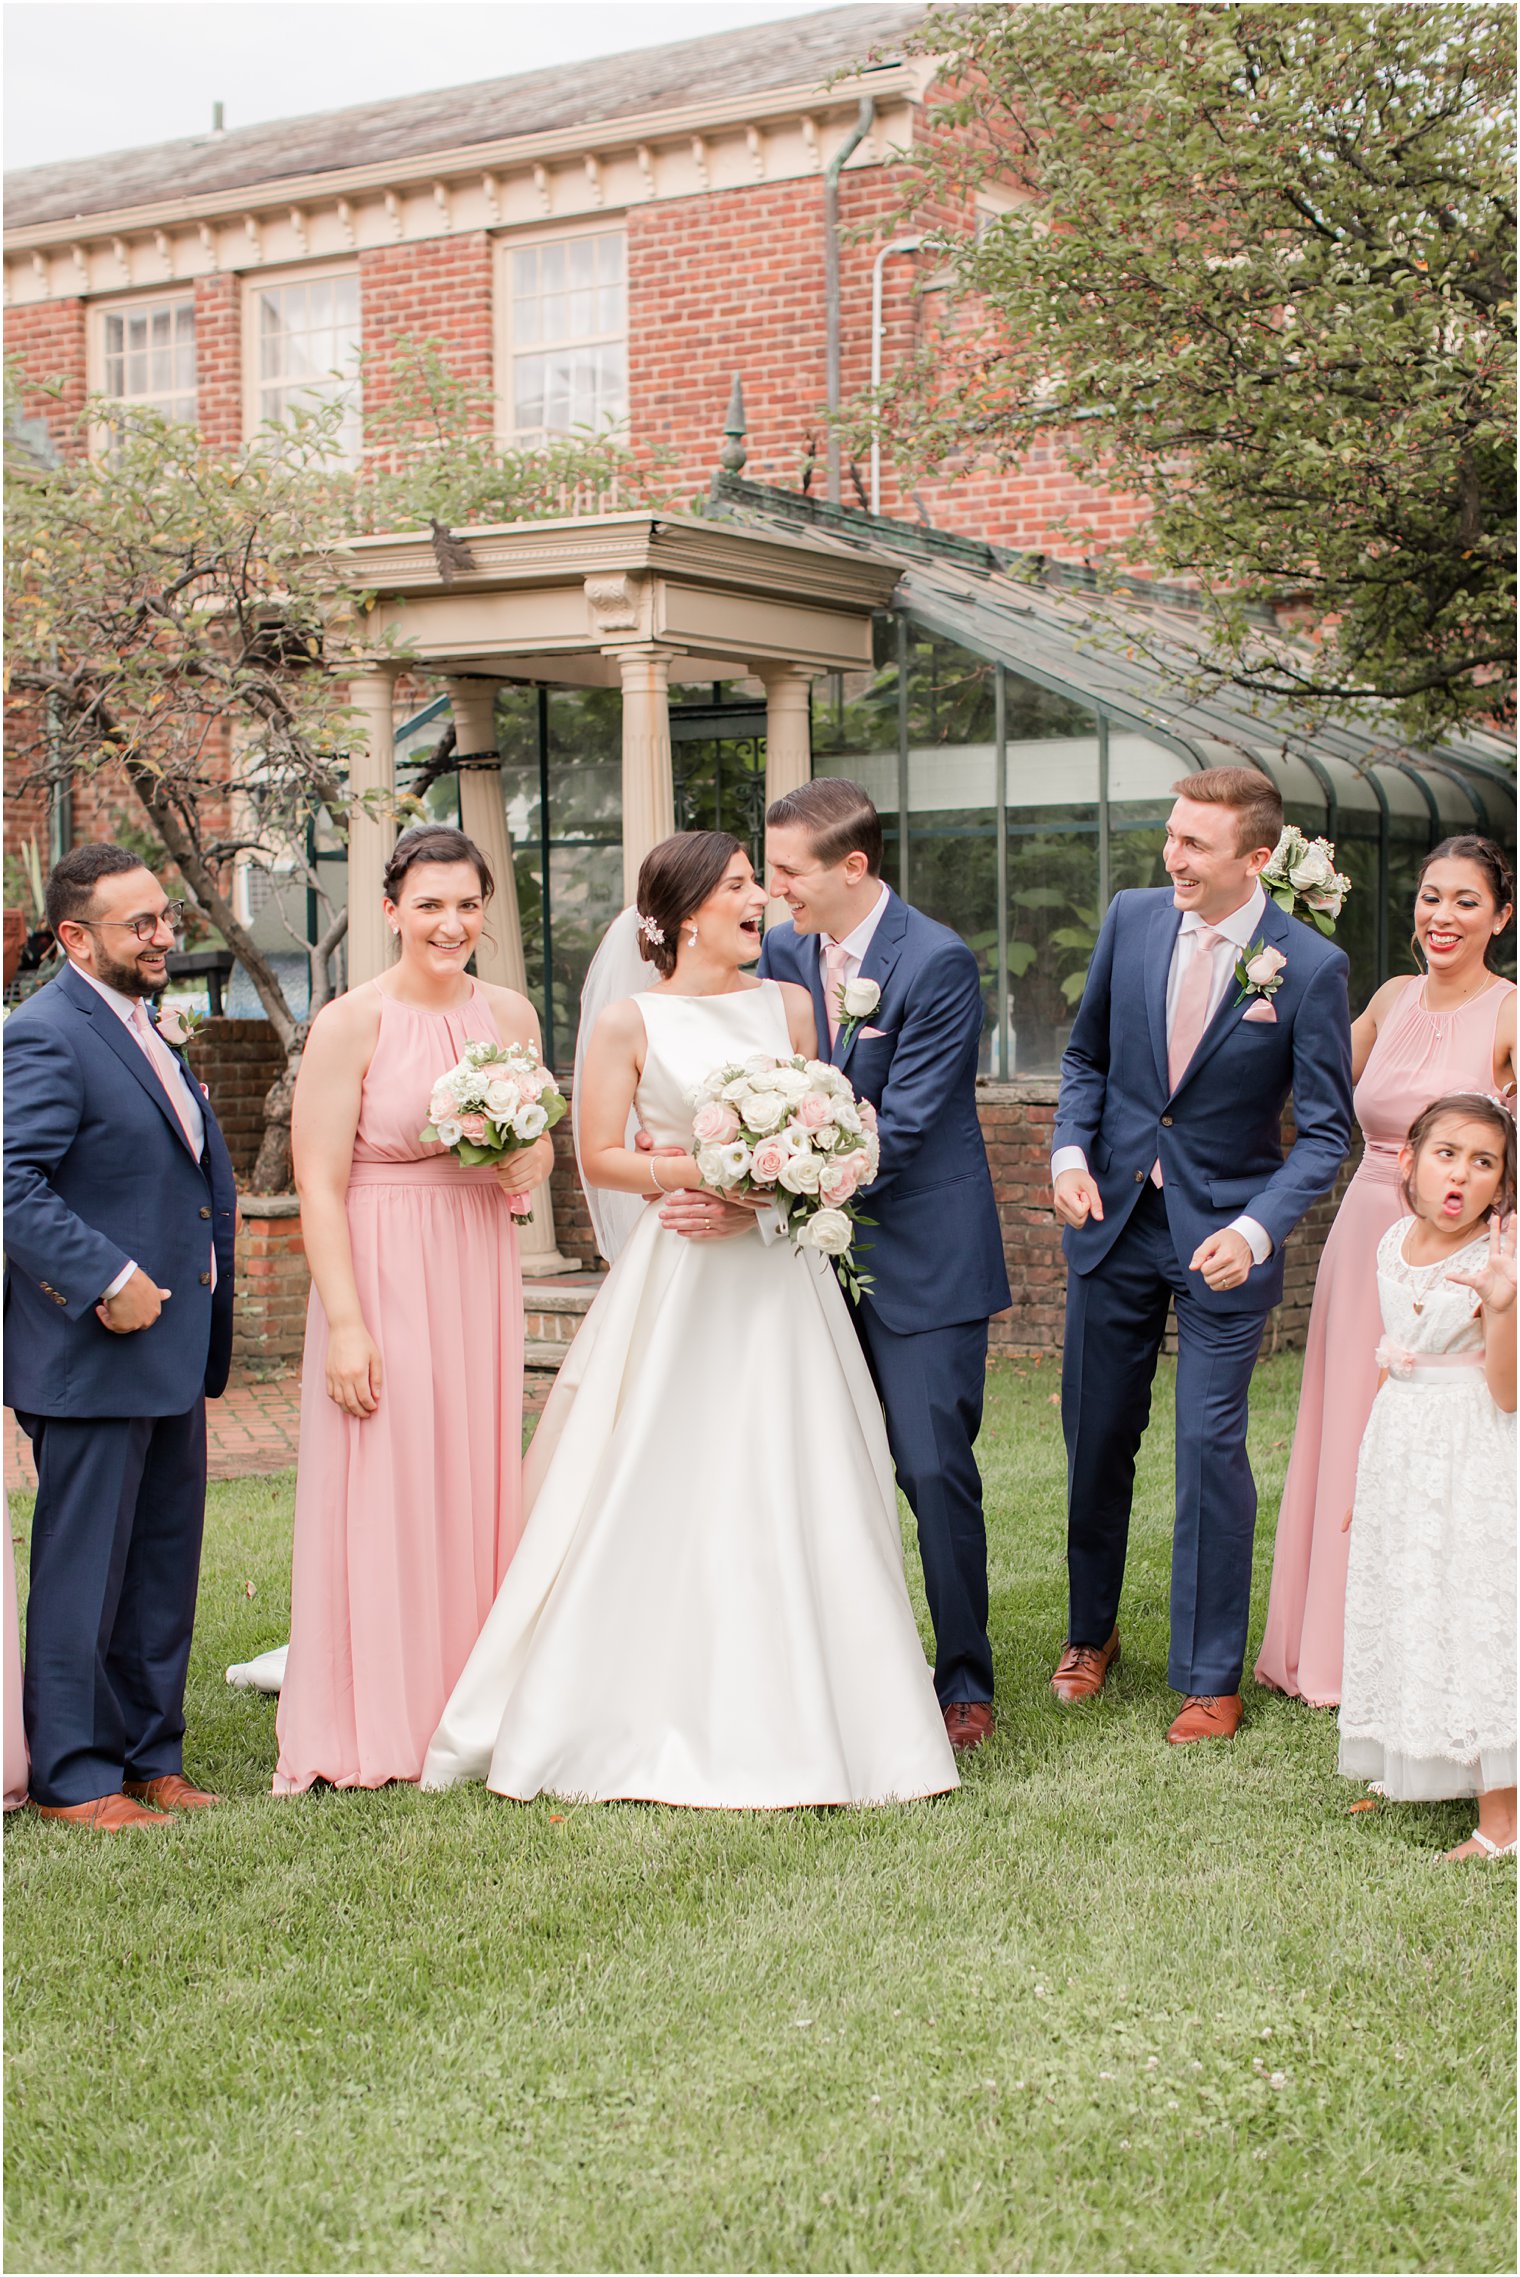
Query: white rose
529	1123
791	1082
736	1090
800	1173
760	1063
847	1116
765	1111
828	1230
1313	868
501	1096
449	1132
735	1159
860	998
710	1164
826	1139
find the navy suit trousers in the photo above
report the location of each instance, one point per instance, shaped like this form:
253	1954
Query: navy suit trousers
116	1546
1115	1320
931	1386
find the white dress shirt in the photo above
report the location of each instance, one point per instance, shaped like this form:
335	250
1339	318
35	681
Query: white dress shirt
125	1007
1240	930
856	943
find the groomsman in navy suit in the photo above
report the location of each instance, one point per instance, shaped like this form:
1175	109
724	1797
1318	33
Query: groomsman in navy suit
1170	1179
119	1219
935	1253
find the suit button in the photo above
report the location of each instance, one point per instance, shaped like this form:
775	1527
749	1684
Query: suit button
1166	1122
205	1280
205	1213
1139	1177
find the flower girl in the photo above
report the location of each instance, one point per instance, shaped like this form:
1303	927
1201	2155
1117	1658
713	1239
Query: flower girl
1428	1698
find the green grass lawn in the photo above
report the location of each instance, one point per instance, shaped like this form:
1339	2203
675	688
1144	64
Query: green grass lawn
1110	2007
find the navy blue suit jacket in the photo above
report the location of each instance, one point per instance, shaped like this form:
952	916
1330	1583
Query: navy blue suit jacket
1218	1135
98	1171
935	1253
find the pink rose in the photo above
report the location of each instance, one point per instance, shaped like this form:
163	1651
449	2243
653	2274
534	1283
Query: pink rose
1264	969
767	1159
715	1124
814	1112
440	1106
839	1180
475	1128
867	1113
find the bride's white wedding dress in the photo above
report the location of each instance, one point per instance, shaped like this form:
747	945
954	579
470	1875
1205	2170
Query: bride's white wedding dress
707	1605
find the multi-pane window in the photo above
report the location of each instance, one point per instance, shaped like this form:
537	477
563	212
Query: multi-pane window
148	356
569	335
306	345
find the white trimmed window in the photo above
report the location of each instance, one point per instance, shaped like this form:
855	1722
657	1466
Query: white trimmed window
567	331
147	356
302	342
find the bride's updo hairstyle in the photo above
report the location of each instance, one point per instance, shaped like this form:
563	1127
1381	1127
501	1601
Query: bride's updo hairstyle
434	842
677	876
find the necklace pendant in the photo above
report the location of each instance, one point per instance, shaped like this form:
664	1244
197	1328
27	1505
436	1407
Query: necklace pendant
1419	1304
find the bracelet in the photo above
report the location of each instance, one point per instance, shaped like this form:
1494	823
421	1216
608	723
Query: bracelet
654	1172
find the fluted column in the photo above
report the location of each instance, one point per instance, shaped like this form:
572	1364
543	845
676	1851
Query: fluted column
499	956
649	799
788	743
371	767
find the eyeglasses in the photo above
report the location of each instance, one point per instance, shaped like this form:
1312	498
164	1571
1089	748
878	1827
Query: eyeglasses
172	914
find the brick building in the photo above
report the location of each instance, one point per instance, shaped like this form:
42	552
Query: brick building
613	243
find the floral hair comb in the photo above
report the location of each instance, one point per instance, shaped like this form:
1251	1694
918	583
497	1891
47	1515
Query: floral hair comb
651	930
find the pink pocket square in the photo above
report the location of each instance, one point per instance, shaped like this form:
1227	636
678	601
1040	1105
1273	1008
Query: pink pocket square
866	1034
1261	1010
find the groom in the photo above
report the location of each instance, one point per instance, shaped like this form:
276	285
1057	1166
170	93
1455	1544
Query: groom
1204	1007
898	1004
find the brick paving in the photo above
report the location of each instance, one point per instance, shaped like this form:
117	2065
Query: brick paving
254	1427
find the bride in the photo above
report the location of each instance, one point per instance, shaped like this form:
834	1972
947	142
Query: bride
707	1604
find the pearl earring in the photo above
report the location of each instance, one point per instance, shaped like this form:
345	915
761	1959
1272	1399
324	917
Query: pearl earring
691	938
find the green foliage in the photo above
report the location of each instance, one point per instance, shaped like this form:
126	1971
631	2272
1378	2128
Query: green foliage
1112	2006
1258	269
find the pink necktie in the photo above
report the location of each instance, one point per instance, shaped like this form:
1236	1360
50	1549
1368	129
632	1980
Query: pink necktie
836	958
1192	1014
165	1066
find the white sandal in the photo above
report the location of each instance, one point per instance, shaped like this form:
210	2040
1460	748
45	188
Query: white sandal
1492	1849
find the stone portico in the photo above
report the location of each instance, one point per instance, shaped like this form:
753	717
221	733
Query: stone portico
639	602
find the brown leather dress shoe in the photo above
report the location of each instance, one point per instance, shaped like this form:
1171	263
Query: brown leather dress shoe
967	1724
1207	1716
171	1792
108	1814
1082	1669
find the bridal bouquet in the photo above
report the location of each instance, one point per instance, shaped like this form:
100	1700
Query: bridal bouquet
499	1098
794	1131
1302	879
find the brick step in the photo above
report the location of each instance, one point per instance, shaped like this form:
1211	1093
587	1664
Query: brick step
554	1310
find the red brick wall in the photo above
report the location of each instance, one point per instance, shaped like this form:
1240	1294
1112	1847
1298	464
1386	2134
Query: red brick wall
219	360
439	290
237	1060
269	1320
48	343
572	1219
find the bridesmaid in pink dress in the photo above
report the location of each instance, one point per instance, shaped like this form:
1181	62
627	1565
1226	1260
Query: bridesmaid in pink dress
1453	1030
408	1498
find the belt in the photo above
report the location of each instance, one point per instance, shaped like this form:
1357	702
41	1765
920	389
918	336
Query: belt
1423	1367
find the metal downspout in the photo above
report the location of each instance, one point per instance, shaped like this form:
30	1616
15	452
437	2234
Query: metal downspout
865	120
878	327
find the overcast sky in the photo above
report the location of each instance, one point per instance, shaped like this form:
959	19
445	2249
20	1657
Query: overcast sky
84	76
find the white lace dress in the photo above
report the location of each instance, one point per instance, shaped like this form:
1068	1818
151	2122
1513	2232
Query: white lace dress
1428	1696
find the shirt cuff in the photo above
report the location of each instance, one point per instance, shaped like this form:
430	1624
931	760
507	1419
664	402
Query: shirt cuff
771	1223
1256	1236
1066	1158
120	1282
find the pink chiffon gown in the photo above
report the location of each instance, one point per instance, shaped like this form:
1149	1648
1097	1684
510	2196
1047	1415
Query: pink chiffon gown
1418	1056
405	1520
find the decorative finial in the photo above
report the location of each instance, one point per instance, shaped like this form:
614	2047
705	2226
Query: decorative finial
733	454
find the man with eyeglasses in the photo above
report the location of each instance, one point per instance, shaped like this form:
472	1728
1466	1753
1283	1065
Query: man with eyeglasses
120	1212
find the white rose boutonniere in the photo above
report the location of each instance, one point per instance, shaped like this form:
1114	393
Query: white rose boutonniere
1302	879
855	1000
177	1024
